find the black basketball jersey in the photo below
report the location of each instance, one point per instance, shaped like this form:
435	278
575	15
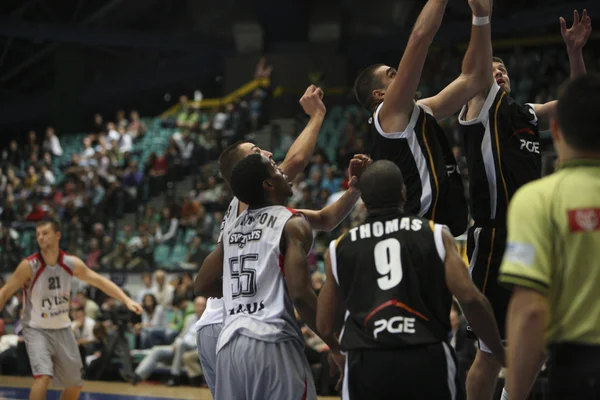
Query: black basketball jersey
502	148
434	187
390	271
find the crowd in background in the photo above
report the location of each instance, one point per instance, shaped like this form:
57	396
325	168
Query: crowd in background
92	190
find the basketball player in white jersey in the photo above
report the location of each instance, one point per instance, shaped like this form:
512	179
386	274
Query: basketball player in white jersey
298	156
46	278
261	269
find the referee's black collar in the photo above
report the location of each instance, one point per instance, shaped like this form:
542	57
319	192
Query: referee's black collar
579	162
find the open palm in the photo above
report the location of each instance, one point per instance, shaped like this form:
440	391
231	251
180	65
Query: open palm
577	35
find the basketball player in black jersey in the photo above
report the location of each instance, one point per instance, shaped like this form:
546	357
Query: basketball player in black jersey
395	274
408	134
502	150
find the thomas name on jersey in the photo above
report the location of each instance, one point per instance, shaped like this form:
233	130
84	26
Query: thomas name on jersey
378	228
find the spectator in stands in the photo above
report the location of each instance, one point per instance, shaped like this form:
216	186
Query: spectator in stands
186	340
166	229
153	320
51	143
146	289
83	329
92	310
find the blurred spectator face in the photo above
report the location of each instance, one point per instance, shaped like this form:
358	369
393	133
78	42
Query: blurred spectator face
316	177
149	303
31	170
199	305
147	279
81	299
107	242
127	229
501	76
160	278
183	99
98	119
186	279
142	230
47	237
329	173
32	136
94	244
13	145
212	182
47	158
134	115
79	315
166	212
319	159
111	126
196	241
98	229
317	280
454	319
49	132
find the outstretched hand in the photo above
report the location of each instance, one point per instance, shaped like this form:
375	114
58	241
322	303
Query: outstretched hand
577	35
312	101
135	307
358	165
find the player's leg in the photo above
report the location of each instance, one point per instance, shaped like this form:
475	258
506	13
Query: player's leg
68	367
40	352
485	248
230	375
281	371
207	352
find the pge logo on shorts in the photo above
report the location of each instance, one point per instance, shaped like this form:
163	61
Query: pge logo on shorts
44	315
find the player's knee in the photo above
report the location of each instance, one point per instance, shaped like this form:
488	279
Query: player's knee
43	380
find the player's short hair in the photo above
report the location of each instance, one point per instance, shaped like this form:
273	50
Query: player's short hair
577	112
48	220
247	180
498	60
229	157
364	85
381	185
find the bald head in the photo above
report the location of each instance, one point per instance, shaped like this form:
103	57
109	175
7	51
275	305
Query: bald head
382	186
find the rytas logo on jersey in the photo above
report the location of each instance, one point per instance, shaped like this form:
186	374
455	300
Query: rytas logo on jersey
242	238
49	302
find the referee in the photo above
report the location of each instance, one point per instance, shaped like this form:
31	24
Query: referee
552	259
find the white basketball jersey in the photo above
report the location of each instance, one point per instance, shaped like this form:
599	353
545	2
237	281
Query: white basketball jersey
47	297
257	303
214	305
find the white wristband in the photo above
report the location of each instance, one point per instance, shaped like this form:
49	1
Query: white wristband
480	21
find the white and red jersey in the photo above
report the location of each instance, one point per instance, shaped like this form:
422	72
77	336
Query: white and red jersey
214	306
257	302
47	297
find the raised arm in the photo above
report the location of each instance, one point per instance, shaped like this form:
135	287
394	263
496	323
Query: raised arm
476	307
575	38
82	272
398	106
17	280
298	156
476	76
209	280
331	216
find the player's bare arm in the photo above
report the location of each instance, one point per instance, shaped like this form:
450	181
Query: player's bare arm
209	280
398	106
330	315
476	77
476	307
328	218
526	322
297	239
17	280
575	39
82	272
299	154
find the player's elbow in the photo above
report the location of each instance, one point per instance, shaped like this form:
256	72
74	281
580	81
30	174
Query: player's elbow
528	305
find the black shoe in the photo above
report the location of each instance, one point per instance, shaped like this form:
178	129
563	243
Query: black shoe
174	381
196	381
135	379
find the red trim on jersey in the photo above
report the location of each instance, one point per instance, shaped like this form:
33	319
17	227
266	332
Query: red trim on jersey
305	390
62	264
394	303
39	271
281	261
291	210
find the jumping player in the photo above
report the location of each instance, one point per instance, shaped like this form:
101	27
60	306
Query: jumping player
261	269
395	274
502	150
407	132
46	277
295	161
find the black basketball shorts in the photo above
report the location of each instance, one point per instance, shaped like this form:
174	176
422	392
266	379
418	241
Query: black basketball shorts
420	372
485	249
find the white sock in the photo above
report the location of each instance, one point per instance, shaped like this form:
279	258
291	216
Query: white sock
504	394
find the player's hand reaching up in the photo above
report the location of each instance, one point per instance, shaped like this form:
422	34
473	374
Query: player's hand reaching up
358	165
577	35
312	101
133	306
481	8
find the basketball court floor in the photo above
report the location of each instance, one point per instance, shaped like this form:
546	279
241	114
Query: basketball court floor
13	388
